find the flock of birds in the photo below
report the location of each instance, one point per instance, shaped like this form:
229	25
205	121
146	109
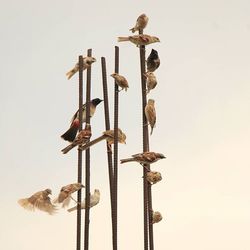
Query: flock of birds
41	200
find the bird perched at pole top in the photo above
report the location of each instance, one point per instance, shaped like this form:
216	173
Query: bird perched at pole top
151	81
153	177
87	61
82	138
70	134
153	61
141	23
151	114
64	196
144	158
156	217
139	39
120	81
109	136
39	200
94	200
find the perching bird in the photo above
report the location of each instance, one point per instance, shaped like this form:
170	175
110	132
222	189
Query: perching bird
120	81
141	23
39	200
94	200
139	39
87	61
151	114
153	61
82	138
156	217
144	158
153	177
64	196
151	81
109	136
70	134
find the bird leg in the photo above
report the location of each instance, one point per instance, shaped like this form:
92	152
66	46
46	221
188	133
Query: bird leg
75	200
145	166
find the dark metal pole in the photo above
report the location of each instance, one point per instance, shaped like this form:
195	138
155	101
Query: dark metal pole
87	160
79	178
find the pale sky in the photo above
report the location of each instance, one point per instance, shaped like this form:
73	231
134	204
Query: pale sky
203	121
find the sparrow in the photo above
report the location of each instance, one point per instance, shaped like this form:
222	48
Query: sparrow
65	193
87	61
151	114
120	81
156	217
153	61
39	200
139	39
144	158
109	136
70	134
141	23
153	177
82	138
94	200
151	81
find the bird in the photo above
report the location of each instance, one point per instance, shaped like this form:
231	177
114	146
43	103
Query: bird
109	136
64	196
156	217
39	200
70	134
153	61
153	177
138	40
141	23
87	61
82	138
94	200
120	81
150	114
151	81
144	158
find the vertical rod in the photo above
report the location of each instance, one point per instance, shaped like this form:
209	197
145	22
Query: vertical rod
87	160
145	143
116	115
79	178
150	214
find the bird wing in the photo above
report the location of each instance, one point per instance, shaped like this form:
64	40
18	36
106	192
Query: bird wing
44	204
149	156
150	114
77	113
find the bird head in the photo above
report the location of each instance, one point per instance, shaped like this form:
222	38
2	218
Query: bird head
96	101
90	60
121	136
48	191
156	39
97	192
151	101
161	156
114	75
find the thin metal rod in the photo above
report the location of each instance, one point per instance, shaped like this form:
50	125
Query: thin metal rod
116	116
79	178
150	219
87	160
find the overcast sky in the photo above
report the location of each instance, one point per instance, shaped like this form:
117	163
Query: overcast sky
203	121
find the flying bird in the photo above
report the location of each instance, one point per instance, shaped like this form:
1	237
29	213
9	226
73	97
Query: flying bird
156	217
120	81
153	177
82	138
94	200
109	136
151	81
87	61
141	23
70	134
39	200
153	61
139	39
151	114
64	196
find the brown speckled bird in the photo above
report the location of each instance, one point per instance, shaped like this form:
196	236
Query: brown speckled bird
87	61
39	200
121	81
141	23
153	61
64	196
156	217
82	138
109	136
151	114
151	81
139	39
153	177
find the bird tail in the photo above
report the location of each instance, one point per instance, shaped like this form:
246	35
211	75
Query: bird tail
123	39
127	160
26	204
70	134
71	72
91	143
133	30
152	128
72	209
68	148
